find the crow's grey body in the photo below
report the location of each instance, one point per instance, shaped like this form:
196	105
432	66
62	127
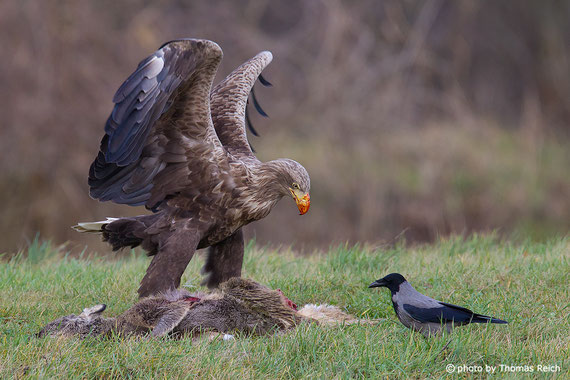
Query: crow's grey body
407	295
424	314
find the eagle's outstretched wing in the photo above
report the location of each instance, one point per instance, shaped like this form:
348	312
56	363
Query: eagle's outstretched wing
160	139
229	101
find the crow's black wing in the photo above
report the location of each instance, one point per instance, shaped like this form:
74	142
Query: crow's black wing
445	313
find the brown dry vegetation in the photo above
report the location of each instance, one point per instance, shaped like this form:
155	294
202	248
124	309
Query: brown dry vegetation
421	117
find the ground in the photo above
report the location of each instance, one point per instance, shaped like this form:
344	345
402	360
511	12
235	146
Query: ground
525	283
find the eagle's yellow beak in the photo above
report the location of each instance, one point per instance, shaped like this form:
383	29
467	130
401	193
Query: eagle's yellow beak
303	200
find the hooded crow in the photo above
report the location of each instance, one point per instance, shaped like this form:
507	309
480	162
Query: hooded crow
424	314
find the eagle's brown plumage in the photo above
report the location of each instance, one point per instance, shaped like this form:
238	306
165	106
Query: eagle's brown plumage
180	148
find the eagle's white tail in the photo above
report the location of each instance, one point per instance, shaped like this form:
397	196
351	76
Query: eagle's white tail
92	227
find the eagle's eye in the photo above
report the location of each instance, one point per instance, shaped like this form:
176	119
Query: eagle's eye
296	186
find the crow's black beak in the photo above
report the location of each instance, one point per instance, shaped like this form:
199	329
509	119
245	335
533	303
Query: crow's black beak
377	284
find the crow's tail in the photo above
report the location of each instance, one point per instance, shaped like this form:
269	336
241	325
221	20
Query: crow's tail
479	318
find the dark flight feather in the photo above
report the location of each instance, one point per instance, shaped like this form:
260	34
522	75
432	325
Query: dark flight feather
248	122
256	104
257	107
264	81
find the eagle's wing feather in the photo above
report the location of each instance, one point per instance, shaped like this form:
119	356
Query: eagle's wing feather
229	100
161	124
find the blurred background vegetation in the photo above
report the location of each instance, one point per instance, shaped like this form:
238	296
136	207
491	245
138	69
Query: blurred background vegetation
414	118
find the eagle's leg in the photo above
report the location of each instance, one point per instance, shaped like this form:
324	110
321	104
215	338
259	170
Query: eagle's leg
168	265
224	260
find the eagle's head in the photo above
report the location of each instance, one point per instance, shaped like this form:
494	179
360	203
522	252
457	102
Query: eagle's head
280	178
294	180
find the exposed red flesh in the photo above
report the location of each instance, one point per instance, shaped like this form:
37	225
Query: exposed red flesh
287	301
192	299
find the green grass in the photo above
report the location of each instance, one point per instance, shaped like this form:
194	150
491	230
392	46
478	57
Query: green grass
526	284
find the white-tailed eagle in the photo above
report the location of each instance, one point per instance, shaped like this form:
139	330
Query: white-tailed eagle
179	147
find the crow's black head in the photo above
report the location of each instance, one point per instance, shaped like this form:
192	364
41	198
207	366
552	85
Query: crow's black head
391	281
